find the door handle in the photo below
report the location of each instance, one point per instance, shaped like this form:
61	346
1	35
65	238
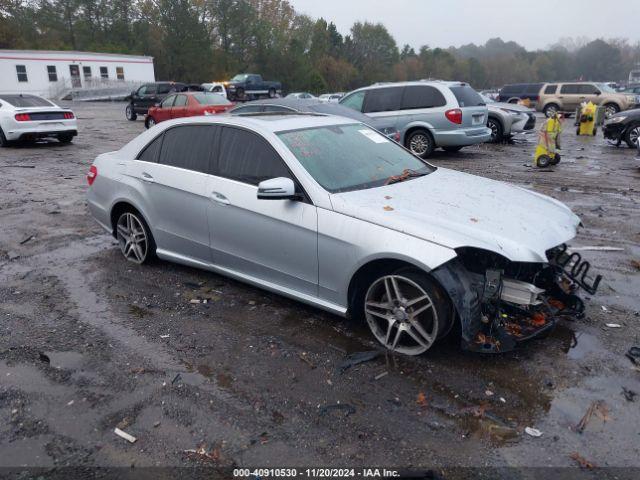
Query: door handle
147	178
219	198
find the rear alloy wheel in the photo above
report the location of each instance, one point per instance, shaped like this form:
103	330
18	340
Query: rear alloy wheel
496	130
130	113
406	312
631	137
134	238
149	122
550	110
3	140
610	109
420	143
66	138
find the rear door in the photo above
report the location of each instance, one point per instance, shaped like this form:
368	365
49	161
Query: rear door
569	95
589	93
175	190
474	110
179	108
275	241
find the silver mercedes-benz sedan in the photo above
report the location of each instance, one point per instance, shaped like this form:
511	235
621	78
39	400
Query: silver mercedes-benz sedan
328	211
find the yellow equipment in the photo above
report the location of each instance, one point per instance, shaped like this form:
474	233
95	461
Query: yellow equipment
587	120
548	142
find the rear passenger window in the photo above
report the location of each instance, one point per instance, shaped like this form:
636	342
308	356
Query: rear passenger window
383	99
588	89
164	88
249	158
422	97
550	89
150	152
570	89
181	101
188	147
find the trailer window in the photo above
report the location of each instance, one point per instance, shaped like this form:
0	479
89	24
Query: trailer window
120	73
21	70
104	73
53	74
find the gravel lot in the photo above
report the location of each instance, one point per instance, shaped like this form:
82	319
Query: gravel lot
89	342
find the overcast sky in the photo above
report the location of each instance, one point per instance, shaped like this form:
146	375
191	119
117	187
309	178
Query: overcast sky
443	23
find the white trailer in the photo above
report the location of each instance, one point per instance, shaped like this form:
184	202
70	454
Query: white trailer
54	73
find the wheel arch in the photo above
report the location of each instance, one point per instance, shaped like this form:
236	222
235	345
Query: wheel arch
121	206
413	126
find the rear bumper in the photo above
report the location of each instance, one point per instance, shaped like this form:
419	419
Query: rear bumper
29	130
462	137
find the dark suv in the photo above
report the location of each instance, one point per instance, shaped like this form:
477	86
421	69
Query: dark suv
148	95
515	92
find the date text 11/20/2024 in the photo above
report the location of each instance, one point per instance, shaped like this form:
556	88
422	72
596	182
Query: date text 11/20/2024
316	473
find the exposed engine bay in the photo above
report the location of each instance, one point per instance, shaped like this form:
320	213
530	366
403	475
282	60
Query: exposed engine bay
502	303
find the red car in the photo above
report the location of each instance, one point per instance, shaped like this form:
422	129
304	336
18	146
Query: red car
187	104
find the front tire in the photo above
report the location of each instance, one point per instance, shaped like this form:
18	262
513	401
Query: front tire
134	237
406	311
631	136
420	142
497	134
611	109
130	113
550	110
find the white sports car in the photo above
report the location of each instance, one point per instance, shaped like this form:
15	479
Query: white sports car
29	117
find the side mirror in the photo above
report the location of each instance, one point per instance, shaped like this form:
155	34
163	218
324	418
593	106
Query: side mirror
277	189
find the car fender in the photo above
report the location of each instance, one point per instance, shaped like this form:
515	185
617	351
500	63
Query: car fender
416	124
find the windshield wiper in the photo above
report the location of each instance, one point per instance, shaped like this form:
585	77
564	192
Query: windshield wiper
405	175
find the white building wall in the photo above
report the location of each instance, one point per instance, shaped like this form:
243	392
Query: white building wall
136	69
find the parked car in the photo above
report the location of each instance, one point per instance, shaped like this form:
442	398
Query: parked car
149	94
301	95
331	97
294	105
515	92
331	213
631	89
428	114
507	119
30	117
623	126
566	97
187	104
215	87
248	86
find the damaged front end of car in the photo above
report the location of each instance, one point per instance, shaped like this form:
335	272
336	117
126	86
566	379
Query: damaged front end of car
501	303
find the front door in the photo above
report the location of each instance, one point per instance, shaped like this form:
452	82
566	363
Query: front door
275	241
179	108
74	71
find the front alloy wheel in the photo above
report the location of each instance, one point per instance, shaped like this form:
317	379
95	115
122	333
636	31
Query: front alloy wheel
632	136
401	314
132	237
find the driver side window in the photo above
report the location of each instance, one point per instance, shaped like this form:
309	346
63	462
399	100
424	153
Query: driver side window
168	102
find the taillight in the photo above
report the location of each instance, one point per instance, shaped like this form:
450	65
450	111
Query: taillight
91	176
454	115
396	137
23	117
68	116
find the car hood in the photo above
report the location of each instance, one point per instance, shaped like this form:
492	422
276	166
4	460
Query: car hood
455	210
510	106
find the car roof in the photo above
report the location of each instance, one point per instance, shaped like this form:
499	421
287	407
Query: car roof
271	122
312	106
441	83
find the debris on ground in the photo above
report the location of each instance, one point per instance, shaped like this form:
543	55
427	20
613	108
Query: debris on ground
307	360
633	354
176	378
636	264
597	249
613	325
156	424
583	462
629	395
380	375
43	357
533	432
201	453
165	336
421	401
356	359
30	237
125	435
344	407
597	407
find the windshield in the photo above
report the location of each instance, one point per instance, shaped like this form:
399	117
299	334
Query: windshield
240	78
606	88
342	158
23	101
209	98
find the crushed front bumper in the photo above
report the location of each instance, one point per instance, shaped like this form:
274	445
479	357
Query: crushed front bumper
497	311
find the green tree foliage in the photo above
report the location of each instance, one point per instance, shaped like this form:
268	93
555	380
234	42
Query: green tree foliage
206	40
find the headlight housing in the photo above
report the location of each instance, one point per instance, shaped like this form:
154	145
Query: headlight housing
514	113
615	120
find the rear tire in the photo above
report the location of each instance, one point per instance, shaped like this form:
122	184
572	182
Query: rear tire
3	140
134	237
631	135
240	94
149	122
130	113
67	138
497	134
420	143
272	93
406	310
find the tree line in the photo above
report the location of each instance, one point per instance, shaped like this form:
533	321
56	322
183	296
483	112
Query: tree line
208	40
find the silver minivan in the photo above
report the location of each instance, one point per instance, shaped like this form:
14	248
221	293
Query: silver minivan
428	114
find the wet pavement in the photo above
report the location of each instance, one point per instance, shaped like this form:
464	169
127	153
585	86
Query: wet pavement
90	342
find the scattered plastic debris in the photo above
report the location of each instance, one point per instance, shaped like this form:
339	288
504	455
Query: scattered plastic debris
583	462
629	395
597	249
125	435
533	432
307	360
597	407
613	325
357	358
164	336
201	452
29	238
387	208
421	401
380	375
176	378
